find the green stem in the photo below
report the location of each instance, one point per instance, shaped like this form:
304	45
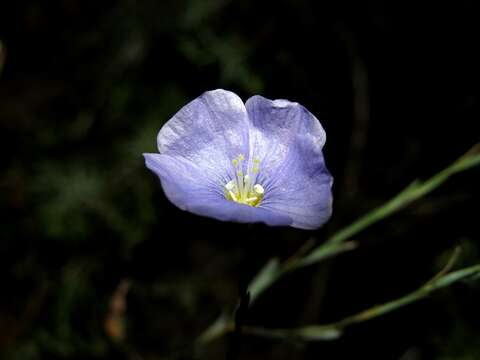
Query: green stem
334	330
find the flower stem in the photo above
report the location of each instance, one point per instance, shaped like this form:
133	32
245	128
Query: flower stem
334	330
241	311
239	318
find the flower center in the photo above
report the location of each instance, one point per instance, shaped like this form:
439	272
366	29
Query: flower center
242	189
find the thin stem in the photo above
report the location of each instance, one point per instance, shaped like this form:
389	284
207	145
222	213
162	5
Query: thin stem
451	262
304	249
244	295
334	330
239	319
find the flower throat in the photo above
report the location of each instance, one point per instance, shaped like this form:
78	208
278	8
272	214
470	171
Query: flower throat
242	189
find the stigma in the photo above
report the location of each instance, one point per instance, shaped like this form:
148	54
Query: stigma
243	188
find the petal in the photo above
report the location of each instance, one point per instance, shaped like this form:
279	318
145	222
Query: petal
188	188
210	132
288	141
231	211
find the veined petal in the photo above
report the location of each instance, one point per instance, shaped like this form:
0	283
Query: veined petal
288	141
186	185
210	132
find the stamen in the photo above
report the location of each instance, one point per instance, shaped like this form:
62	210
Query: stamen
246	186
241	188
256	163
233	196
230	187
239	167
259	189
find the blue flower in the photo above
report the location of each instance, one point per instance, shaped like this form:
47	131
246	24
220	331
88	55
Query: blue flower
260	161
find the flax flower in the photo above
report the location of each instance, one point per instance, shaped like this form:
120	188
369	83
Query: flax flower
261	161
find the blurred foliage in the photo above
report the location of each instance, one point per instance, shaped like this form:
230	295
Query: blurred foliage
84	88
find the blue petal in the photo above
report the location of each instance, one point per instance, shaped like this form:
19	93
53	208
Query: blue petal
288	140
189	188
210	132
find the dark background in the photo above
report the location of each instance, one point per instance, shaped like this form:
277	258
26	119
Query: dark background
84	89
